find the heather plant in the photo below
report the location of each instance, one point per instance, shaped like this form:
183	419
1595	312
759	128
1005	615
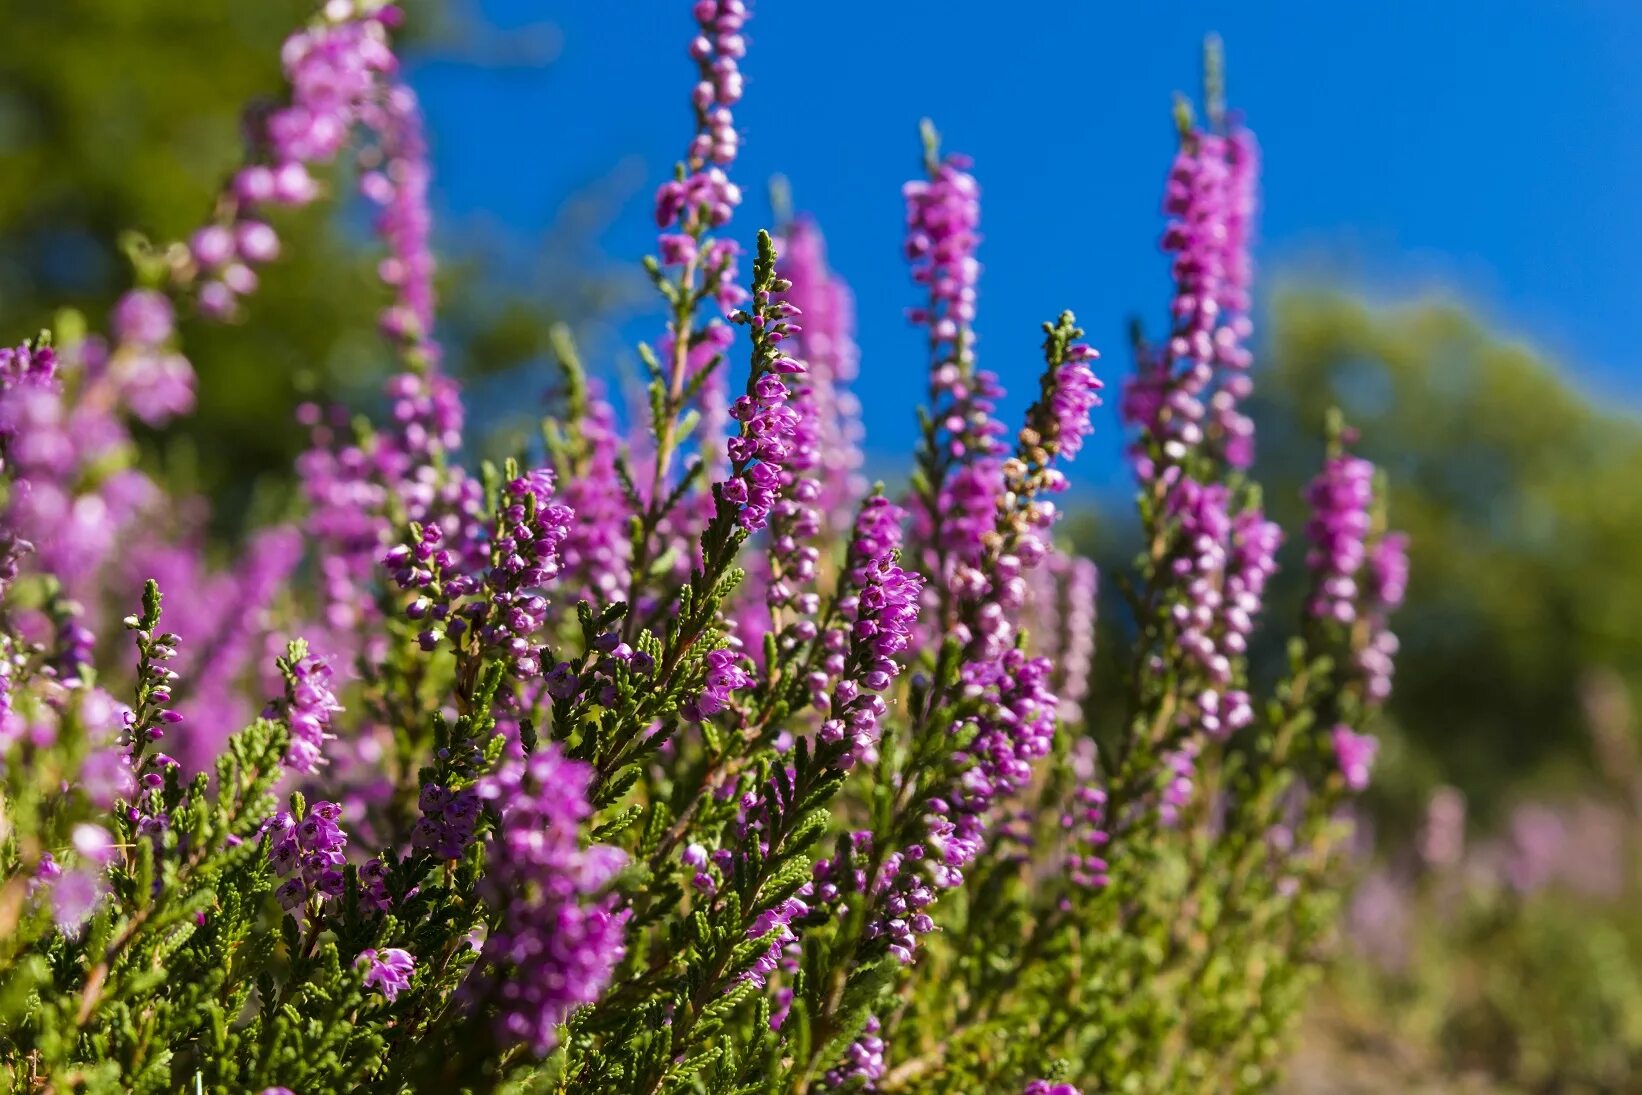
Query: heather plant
670	755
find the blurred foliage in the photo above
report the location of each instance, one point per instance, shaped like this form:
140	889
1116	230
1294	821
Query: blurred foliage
1520	494
1513	964
126	115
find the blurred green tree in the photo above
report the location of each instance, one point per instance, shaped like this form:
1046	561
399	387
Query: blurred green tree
1521	495
126	115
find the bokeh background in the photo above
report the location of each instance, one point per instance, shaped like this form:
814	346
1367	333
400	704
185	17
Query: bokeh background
1447	248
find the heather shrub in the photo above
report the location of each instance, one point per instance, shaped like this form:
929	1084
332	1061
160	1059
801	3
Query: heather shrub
670	755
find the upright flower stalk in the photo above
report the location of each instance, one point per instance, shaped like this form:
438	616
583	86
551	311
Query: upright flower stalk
693	267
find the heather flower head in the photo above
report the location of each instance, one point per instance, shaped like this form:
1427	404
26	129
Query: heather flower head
1070	392
881	608
827	346
559	934
1340	499
524	560
997	514
1187	393
722	674
1359	571
759	453
863	1063
943	216
595	548
1221	566
143	316
1084	823
75	895
449	817
308	853
1388	570
309	706
387	971
1062	602
1355	755
343	78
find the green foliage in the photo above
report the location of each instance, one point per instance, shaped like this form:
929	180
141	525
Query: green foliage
120	120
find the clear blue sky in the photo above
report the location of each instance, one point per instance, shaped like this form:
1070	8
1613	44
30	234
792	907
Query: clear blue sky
1492	145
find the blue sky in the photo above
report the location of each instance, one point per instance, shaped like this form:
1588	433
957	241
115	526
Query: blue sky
1490	145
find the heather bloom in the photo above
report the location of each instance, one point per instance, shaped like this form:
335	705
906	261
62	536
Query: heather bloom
93	843
1358	574
961	454
1236	429
560	935
1340	498
65	444
863	1064
1084	822
74	897
723	674
309	707
308	854
1388	570
595	548
1046	1087
768	430
26	364
943	216
1062	596
1221	566
774	924
1354	754
1188	391
1386	583
827	346
446	827
399	187
525	557
342	76
106	776
881	607
696	266
157	383
717	50
1179	780
1071	394
1009	500
106	773
775	443
143	316
388	971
